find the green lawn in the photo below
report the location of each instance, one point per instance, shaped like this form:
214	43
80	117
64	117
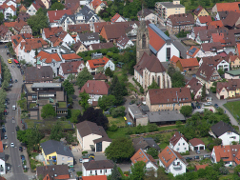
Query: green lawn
34	164
163	145
62	104
122	76
32	105
233	107
119	121
226	177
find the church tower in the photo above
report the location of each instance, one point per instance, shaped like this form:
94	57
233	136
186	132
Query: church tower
142	43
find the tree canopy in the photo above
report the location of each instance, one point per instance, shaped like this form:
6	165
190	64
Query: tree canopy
106	101
176	77
83	77
186	110
154	85
84	100
57	5
48	111
117	89
68	87
138	171
94	115
56	132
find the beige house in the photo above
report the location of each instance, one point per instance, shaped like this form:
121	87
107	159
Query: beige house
228	89
79	47
92	137
207	75
47	3
200	11
234	62
165	9
168	99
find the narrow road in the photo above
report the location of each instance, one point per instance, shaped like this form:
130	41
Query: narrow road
182	48
13	95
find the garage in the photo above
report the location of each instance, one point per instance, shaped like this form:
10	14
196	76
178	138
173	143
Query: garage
222	97
202	147
196	144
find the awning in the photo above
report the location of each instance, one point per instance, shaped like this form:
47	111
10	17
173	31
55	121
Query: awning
16	61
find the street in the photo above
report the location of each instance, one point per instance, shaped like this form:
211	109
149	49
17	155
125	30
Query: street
14	160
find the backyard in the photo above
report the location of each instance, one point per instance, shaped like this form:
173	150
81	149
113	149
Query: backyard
233	107
119	121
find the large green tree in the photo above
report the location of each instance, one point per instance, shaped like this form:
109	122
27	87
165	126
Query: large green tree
203	92
57	6
68	87
1	18
106	101
138	171
154	85
48	111
83	77
153	152
117	90
56	132
120	149
186	110
115	173
84	97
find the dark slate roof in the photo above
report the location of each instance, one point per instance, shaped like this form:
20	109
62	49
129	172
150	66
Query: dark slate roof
51	146
72	17
87	127
103	164
33	74
222	127
144	143
88	13
89	37
2	156
54	170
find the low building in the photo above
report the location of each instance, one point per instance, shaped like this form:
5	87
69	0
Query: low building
234	62
39	74
56	153
172	161
99	177
117	18
56	171
170	99
197	167
89	38
124	42
100	77
189	66
40	94
72	68
144	144
149	161
102	167
203	20
92	137
95	89
225	132
79	47
229	89
179	143
196	144
194	52
98	5
101	46
137	116
233	74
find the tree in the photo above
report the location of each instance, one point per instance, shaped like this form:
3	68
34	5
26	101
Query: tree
178	79
22	102
68	87
56	132
237	170
83	77
115	173
57	6
106	101
138	171
36	54
167	33
153	152
152	127
154	85
71	77
120	149
217	142
117	89
108	72
94	115
221	72
1	18
203	92
119	111
186	110
48	111
100	70
84	100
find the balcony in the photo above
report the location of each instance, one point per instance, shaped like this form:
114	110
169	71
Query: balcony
175	166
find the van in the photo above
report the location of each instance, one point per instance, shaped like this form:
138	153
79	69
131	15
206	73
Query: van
14	107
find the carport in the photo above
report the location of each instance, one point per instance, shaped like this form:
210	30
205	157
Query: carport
196	144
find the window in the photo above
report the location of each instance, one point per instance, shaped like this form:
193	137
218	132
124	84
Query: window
183	143
185	148
179	144
100	171
90	172
168	53
63	158
105	170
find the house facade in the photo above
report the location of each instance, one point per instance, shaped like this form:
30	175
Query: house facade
189	66
196	144
234	74
104	62
102	167
179	143
195	87
73	68
229	89
200	11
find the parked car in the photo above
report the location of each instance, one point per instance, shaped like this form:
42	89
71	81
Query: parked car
12	145
5	136
198	152
196	157
20	148
80	160
216	105
207	104
16	80
188	158
22	157
91	155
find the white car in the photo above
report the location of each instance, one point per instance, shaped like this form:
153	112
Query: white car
207	104
12	145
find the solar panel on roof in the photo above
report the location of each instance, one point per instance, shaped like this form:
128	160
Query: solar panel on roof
192	51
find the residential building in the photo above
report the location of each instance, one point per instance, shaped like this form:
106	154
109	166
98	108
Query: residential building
73	5
149	161
55	16
144	144
16	39
207	75
229	154
147	15
174	60
102	167
46	3
195	87
200	11
104	62
101	46
3	169
231	6
55	152
179	143
39	74
95	89
97	26
56	171
172	161
194	52
150	69
23	16
234	74
19	27
79	47
40	94
196	144
215	61
47	33
228	89
124	42
5	34
70	57
195	31
211	49
225	132
179	22
34	7
98	5
99	177
79	28
61	38
203	20
72	67
169	99
137	116
89	38
92	137
8	8
234	62
100	77
166	9
189	66
117	18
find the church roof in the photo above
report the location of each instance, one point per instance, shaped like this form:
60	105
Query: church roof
151	63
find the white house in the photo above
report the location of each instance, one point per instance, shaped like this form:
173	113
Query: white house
225	132
89	38
148	15
124	42
211	49
104	62
2	163
195	52
195	86
229	154
102	167
32	10
9	10
196	144
172	161
150	162
179	143
117	18
203	20
73	67
215	61
92	137
164	50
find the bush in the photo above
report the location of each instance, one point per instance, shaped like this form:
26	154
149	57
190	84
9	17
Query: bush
113	128
126	172
129	131
140	129
84	152
186	153
152	127
79	173
139	85
141	90
118	112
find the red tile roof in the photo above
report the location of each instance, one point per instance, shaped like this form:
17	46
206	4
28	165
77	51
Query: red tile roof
205	19
96	3
218	37
191	62
48	57
52	31
1	146
79	28
201	166
198	10
115	17
34	43
155	40
95	63
194	84
168	155
238	48
196	141
232	6
140	155
192	49
71	56
227	153
95	87
56	15
216	24
99	177
176	137
174	59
